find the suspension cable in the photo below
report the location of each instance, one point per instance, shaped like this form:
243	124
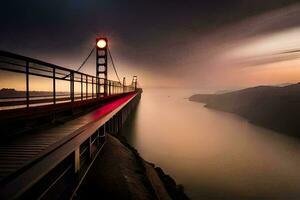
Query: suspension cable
113	64
83	63
91	52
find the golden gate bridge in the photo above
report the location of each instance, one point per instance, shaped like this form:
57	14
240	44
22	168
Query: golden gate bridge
51	138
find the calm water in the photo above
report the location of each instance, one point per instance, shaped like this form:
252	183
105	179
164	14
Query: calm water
215	155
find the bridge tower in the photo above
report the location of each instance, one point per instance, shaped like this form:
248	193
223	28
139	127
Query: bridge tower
101	65
134	82
124	84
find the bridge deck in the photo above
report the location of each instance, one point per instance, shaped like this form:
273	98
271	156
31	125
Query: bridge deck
27	149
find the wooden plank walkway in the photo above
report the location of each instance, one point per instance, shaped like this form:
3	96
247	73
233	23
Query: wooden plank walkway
25	150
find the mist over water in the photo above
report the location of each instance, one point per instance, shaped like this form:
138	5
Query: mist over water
213	154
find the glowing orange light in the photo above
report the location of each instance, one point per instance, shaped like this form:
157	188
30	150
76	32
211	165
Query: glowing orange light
101	43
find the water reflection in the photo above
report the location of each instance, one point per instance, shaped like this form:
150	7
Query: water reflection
213	154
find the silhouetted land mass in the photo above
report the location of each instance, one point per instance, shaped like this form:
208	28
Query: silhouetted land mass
273	107
13	93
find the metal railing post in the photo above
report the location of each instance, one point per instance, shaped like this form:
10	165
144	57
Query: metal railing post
54	89
109	88
97	83
81	86
105	87
97	87
72	86
86	87
77	160
92	87
27	84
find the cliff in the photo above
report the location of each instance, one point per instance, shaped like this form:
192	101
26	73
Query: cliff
276	108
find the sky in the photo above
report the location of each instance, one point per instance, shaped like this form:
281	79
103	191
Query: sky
212	45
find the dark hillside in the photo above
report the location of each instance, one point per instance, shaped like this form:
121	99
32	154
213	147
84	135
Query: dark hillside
277	108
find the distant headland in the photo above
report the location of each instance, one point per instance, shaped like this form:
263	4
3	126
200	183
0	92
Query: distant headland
273	107
13	93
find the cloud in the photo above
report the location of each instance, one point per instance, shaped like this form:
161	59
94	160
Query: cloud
167	42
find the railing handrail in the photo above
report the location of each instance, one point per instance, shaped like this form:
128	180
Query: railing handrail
33	60
36	61
33	67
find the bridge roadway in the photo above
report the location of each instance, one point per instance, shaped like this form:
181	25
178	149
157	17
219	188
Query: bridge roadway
27	159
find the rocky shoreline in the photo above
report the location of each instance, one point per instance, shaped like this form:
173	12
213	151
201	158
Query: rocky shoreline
121	173
175	191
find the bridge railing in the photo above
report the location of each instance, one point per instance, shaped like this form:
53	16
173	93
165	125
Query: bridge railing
80	86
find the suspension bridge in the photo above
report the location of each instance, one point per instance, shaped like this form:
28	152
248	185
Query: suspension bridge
51	138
